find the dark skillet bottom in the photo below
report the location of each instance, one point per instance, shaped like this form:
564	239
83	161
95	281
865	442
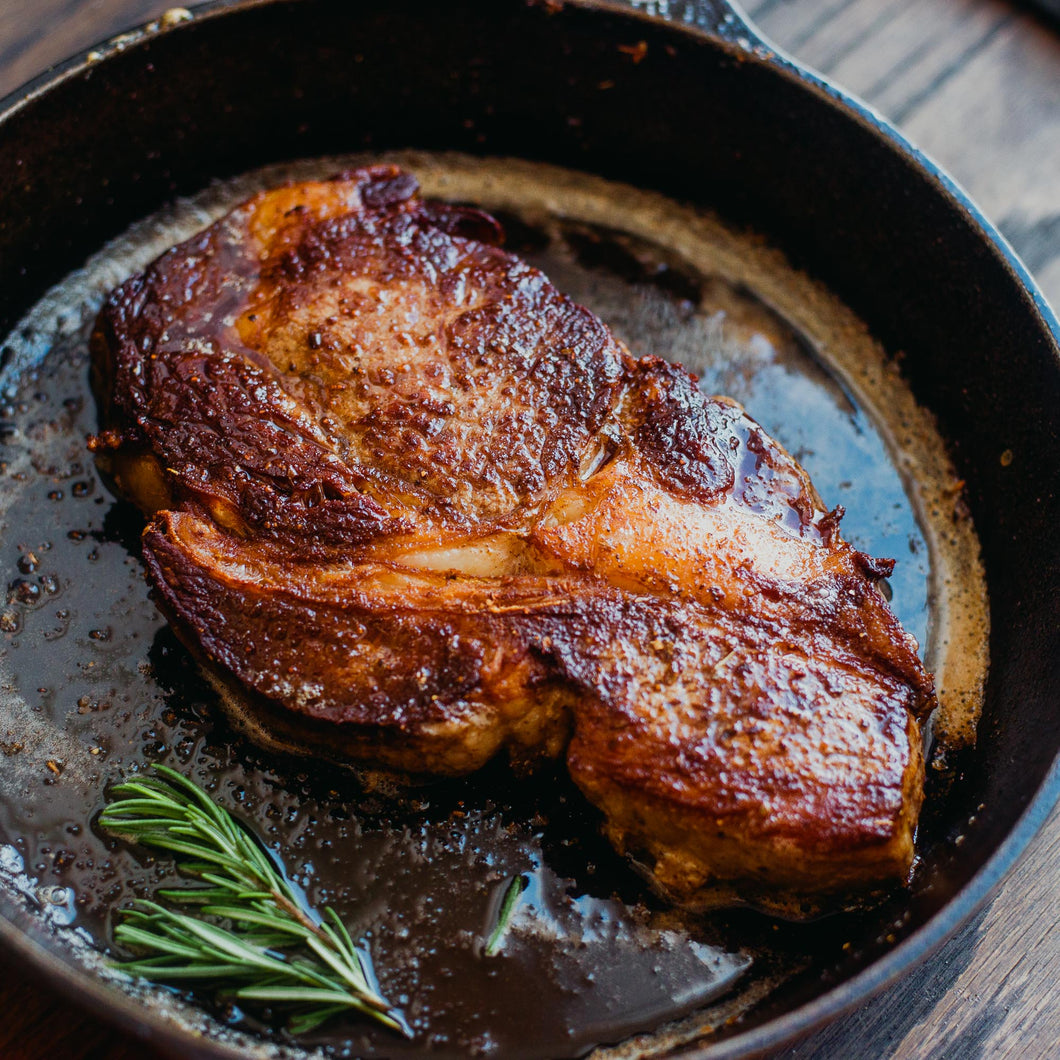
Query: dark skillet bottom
96	686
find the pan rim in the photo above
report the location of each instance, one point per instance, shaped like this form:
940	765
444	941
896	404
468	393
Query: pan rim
80	985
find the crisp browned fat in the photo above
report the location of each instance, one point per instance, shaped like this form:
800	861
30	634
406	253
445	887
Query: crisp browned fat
414	507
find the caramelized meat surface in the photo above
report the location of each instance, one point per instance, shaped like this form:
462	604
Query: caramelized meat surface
413	507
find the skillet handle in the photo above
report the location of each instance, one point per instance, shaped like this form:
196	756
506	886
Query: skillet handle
723	19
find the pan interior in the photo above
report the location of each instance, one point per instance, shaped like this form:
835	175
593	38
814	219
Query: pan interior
94	685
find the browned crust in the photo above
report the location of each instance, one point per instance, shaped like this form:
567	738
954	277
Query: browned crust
402	489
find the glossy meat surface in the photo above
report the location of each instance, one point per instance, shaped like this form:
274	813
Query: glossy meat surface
413	507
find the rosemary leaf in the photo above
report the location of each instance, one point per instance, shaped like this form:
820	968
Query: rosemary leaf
504	917
309	1021
197	895
176	973
254	916
290	993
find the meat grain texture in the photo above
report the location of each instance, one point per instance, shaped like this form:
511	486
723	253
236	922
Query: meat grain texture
414	508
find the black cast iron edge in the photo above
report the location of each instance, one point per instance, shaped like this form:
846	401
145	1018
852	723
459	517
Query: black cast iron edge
724	23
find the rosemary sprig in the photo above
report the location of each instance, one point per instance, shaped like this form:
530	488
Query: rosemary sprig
504	917
248	936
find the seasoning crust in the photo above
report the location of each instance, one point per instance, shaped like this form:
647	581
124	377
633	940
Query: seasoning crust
415	508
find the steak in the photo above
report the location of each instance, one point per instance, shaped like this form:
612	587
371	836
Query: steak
413	507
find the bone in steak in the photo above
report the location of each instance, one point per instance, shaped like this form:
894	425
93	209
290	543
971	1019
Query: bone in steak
415	507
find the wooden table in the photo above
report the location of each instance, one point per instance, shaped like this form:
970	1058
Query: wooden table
976	83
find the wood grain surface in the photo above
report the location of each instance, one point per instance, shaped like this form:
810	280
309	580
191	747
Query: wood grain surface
975	83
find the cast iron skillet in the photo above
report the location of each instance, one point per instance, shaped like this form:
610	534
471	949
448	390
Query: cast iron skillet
708	114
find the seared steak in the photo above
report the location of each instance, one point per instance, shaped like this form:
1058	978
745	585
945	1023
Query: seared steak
414	507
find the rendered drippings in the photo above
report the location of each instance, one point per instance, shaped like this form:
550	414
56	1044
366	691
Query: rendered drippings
94	685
